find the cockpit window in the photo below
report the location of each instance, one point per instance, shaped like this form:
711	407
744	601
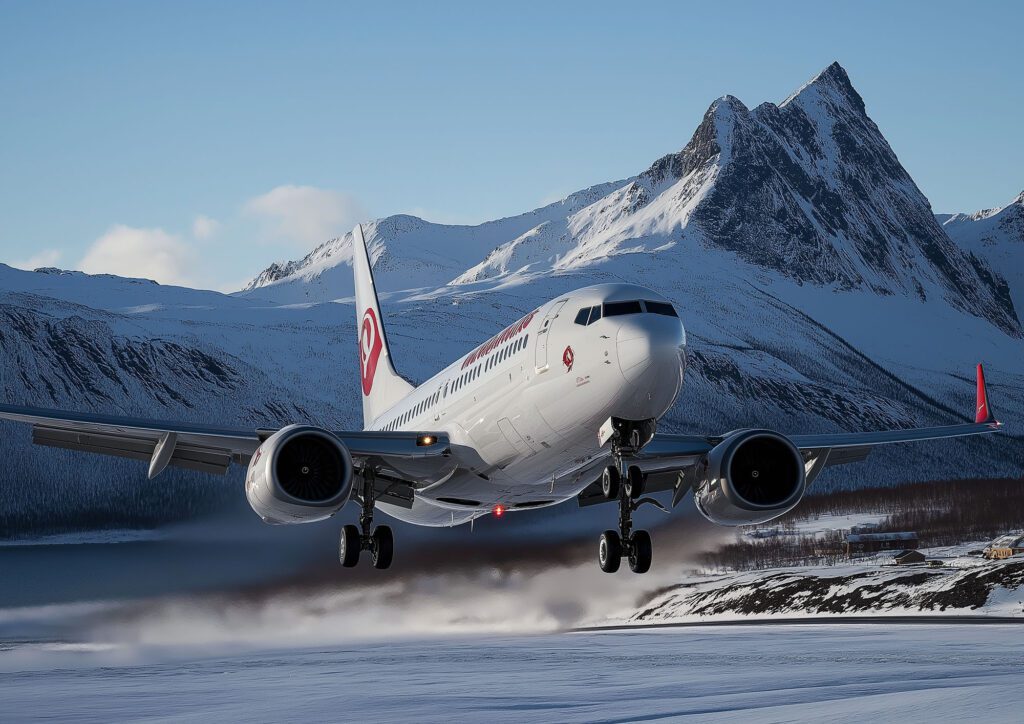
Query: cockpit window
660	308
589	315
617	309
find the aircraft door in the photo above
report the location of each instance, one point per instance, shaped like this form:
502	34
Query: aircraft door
544	332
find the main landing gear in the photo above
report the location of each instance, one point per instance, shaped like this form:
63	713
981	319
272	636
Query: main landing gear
354	539
634	545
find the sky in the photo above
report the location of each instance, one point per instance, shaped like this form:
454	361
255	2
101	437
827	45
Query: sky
196	142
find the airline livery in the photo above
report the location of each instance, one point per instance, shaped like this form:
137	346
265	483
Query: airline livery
562	404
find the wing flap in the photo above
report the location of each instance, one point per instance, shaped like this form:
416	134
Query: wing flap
185	456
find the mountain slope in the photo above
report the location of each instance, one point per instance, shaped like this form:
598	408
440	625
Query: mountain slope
996	235
407	253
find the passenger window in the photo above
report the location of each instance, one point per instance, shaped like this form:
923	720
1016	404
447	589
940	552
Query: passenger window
618	309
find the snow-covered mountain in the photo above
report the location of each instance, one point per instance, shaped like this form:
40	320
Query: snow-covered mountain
808	189
961	584
997	236
818	290
407	252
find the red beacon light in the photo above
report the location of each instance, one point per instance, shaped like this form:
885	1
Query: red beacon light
498	510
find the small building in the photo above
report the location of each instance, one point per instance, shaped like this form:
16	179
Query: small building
865	528
1005	546
907	557
859	543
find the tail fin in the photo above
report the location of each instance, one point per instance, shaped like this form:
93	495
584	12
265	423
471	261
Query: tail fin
982	412
382	386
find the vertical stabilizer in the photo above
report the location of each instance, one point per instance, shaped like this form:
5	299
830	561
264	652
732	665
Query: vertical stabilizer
381	385
982	412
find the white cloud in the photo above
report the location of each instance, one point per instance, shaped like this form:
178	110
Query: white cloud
44	257
204	227
147	253
305	215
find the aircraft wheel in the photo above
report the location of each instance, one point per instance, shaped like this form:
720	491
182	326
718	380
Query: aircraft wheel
348	546
383	547
634	482
609	552
640	552
610	480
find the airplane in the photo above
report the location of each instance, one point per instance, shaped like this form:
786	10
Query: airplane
562	404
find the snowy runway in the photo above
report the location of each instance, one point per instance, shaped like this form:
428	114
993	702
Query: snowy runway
749	673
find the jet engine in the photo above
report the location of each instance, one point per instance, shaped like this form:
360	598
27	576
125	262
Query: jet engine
751	477
300	474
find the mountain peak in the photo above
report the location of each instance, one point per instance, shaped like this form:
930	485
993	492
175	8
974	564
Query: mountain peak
833	82
727	105
834	73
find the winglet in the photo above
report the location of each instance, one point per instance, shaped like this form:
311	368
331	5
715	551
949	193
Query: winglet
983	413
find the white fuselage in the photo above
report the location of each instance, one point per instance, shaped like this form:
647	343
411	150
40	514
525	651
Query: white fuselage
523	410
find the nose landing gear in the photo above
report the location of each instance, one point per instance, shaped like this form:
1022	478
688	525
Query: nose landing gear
627	437
634	545
626	483
354	539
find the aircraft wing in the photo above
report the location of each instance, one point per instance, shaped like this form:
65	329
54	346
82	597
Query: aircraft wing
671	461
206	448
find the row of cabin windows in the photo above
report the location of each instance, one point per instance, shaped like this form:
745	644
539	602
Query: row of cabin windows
589	315
414	411
465	378
462	380
493	359
503	354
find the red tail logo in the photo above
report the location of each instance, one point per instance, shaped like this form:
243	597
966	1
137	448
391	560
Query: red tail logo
370	345
981	412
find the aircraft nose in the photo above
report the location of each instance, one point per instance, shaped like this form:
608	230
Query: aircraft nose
647	342
634	351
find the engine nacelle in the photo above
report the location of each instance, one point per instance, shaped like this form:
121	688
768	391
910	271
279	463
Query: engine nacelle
751	477
300	474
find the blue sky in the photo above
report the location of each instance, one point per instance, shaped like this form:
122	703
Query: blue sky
198	141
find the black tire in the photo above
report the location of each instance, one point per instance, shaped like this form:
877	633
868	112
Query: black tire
610	481
349	544
609	551
383	547
634	482
640	552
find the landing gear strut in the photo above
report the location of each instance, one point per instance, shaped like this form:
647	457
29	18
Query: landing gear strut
627	488
354	539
